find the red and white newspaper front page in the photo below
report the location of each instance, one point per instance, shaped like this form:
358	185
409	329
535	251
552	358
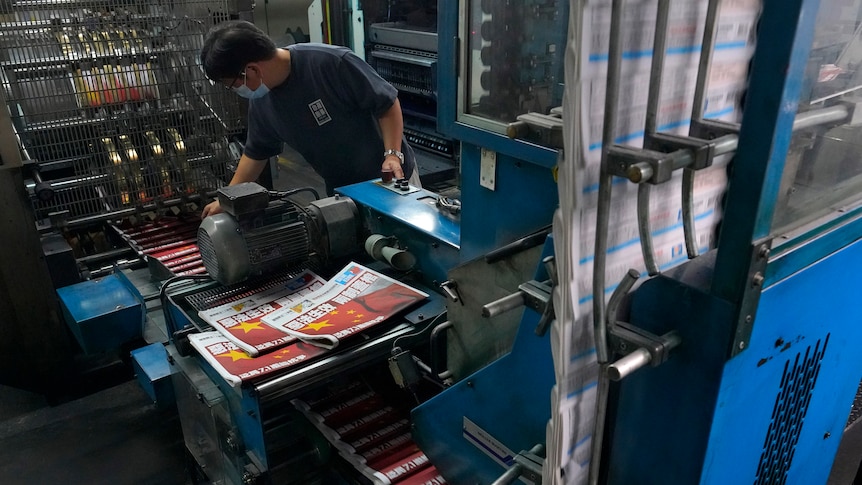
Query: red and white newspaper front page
355	299
258	335
236	366
240	321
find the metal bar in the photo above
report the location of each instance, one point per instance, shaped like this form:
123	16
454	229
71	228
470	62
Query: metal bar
615	55
651	127
657	68
620	291
642	172
640	357
697	111
688	228
706	48
602	388
817	117
628	364
644	229
503	305
514	473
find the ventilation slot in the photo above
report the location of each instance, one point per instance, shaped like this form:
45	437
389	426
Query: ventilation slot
788	415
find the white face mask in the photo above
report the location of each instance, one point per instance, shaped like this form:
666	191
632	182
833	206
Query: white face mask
247	93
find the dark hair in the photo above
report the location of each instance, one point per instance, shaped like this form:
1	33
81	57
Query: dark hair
229	46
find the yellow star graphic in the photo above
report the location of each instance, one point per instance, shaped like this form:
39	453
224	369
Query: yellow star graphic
277	357
360	315
285	351
334	312
357	320
247	326
318	325
351	312
235	355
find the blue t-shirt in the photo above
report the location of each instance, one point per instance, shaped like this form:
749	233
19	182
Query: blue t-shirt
327	110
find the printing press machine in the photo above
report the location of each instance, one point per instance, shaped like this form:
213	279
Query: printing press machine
121	140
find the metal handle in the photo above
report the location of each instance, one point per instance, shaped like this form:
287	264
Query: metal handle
628	364
503	305
450	287
644	231
640	357
688	229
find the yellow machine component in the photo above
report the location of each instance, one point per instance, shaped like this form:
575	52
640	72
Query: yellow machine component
135	168
178	146
119	175
160	162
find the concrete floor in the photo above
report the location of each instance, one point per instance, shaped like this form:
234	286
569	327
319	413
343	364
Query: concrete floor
114	436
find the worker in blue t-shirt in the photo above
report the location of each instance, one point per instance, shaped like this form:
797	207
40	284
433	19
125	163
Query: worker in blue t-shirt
322	100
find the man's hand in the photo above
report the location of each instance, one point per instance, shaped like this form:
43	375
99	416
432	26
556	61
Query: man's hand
211	209
392	164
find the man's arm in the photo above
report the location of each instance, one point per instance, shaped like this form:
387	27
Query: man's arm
392	129
248	170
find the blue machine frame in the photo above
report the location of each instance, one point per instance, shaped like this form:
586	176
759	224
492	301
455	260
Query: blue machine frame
526	196
474	429
761	387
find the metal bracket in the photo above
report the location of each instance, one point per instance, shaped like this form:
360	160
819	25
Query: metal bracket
627	339
641	166
535	295
712	129
751	297
703	150
527	464
542	128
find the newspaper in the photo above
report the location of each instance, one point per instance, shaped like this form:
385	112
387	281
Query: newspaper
236	366
240	321
258	335
355	299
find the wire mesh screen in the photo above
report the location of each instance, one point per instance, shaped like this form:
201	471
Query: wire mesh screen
109	102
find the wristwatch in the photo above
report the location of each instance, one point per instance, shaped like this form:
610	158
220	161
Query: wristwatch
395	152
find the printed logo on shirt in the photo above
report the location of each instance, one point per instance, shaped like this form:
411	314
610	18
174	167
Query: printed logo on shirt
319	111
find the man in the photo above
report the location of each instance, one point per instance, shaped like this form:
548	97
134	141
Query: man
322	100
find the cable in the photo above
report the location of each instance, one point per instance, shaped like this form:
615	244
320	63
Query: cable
288	193
432	322
169	321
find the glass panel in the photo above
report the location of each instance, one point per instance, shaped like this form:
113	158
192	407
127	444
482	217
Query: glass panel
823	172
513	59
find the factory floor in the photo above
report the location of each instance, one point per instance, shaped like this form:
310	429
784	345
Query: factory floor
114	436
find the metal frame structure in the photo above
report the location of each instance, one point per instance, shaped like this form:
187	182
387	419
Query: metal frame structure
753	336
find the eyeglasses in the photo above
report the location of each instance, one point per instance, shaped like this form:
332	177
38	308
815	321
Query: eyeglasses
230	86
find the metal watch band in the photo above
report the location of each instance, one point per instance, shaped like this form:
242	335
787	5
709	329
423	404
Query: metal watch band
392	151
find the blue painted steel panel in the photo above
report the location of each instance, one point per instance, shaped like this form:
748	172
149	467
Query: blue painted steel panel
103	313
509	399
415	210
771	104
797	316
699	412
661	416
430	235
154	373
523	202
790	259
